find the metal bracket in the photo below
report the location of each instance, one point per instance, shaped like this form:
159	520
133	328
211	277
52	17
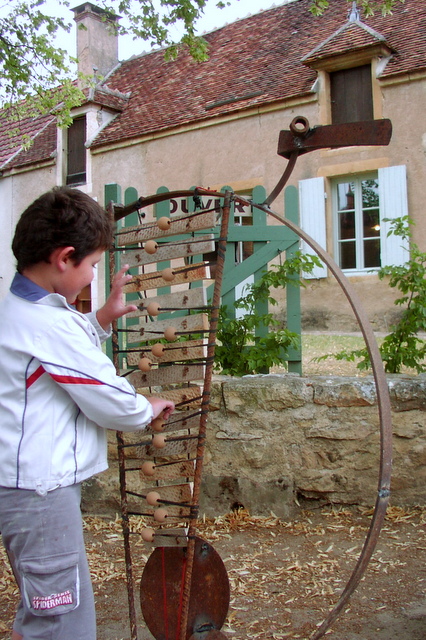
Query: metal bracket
301	138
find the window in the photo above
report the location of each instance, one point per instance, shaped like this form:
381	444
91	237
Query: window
84	300
363	207
76	156
357	223
351	95
243	217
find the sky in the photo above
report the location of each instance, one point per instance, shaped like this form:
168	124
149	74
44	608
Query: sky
213	18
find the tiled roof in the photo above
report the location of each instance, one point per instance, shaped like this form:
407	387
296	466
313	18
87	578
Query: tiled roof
102	95
253	62
351	37
41	129
42	149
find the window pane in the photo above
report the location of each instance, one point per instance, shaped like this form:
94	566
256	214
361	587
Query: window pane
347	255
372	253
345	196
347	225
370	193
371	223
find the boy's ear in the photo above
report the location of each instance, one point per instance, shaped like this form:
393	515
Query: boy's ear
62	257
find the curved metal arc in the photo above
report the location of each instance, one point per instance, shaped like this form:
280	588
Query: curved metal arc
383	399
120	211
384	407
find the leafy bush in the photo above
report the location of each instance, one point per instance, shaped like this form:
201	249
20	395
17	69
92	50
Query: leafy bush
239	351
402	347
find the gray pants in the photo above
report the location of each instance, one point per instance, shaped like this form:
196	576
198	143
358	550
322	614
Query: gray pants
43	537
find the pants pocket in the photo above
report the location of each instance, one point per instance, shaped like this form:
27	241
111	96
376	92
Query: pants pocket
50	587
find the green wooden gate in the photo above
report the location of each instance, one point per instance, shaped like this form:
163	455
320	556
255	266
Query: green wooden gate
266	243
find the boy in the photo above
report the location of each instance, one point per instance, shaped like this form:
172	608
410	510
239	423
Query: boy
58	394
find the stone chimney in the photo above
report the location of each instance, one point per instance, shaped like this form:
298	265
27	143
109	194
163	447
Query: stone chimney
97	44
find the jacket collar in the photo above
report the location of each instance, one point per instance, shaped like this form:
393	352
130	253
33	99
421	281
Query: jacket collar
25	288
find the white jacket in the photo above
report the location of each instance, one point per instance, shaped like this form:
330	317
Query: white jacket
56	387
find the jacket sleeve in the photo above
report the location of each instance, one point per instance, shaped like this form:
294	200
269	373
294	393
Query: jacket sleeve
68	353
103	335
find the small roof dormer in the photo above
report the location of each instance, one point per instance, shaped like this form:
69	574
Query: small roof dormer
353	44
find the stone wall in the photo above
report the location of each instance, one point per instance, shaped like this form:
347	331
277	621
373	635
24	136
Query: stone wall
277	441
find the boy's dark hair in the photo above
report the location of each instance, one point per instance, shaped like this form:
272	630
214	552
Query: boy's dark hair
62	217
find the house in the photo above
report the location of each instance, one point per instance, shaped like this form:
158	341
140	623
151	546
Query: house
150	123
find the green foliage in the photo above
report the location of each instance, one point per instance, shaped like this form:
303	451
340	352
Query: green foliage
37	77
402	347
31	65
152	21
239	351
366	7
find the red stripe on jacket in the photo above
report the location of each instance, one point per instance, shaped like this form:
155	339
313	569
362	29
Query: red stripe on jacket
35	376
61	379
73	380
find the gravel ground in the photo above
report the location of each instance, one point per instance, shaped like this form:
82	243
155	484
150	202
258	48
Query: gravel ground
284	576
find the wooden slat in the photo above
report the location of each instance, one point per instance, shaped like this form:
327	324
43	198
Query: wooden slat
170	538
166	375
187	299
184	421
154	280
179	422
155	330
173	493
174	513
170	251
182	223
139	439
190	395
180	469
190	350
179	448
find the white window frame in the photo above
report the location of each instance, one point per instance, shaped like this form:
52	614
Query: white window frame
393	203
359	239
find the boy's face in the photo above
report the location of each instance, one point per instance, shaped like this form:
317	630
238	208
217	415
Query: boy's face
76	277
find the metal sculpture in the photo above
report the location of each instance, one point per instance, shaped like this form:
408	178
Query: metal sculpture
184	586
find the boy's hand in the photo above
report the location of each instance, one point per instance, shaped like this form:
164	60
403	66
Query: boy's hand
161	406
114	307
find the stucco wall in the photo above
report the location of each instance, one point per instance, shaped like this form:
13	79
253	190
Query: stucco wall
241	153
16	193
275	441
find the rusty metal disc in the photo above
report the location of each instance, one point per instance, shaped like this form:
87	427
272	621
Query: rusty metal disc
161	592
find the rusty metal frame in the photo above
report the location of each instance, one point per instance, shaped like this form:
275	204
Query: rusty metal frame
303	139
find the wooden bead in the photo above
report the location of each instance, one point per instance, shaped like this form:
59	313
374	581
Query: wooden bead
145	364
158	425
170	334
157	350
148	468
152	498
150	246
153	309
164	223
160	515
168	274
148	535
159	441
